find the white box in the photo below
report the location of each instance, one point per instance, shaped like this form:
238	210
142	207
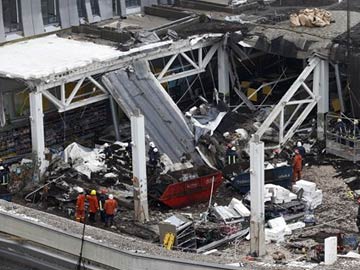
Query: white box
330	250
307	186
277	223
239	207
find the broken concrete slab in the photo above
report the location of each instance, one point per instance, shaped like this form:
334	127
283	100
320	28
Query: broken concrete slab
137	88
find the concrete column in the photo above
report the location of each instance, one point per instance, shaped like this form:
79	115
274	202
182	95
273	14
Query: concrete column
89	14
139	167
73	13
37	128
257	182
122	8
31	17
69	15
223	70
2	29
106	11
115	118
321	90
339	88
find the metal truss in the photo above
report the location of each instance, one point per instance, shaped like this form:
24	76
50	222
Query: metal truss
66	103
303	106
197	65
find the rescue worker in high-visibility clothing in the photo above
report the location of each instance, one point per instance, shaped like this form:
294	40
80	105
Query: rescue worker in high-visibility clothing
297	166
93	205
110	210
103	197
80	206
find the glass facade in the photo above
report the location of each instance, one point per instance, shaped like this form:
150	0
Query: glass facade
11	15
50	11
95	7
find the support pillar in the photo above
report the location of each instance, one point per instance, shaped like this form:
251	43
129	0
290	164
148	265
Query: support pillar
321	91
223	70
37	129
257	183
115	118
139	167
339	88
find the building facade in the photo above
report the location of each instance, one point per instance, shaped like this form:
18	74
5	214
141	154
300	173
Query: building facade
24	18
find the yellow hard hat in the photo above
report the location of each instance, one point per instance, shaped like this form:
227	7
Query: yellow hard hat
93	192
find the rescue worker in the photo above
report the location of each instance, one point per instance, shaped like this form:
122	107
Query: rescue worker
93	205
340	129
297	166
107	151
151	148
154	157
80	206
356	130
358	215
302	151
102	199
110	210
231	155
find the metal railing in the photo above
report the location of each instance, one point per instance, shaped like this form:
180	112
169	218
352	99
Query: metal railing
343	141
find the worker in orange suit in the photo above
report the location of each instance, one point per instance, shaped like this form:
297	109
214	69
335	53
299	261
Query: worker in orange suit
297	166
93	205
80	206
110	208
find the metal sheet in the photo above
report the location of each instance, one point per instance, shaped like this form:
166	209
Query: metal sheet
106	11
164	122
2	30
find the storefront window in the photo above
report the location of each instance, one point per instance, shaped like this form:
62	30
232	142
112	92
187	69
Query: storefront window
11	15
50	11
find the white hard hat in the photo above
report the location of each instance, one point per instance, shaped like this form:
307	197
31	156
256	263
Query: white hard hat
151	144
80	190
111	196
106	144
299	144
156	150
356	121
339	120
233	148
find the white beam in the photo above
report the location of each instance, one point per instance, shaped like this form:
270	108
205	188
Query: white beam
84	102
37	129
181	75
97	84
257	182
167	66
223	71
53	99
139	167
190	61
339	88
288	95
74	91
62	93
321	89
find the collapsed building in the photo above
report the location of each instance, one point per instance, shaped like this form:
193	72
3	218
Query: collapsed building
193	79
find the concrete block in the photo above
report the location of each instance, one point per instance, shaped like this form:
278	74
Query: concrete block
330	250
275	235
297	225
239	207
307	186
277	223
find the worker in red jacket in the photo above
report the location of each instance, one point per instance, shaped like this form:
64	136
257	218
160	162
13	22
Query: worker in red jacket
80	206
93	205
297	166
110	208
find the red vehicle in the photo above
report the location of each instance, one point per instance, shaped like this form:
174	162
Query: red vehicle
186	187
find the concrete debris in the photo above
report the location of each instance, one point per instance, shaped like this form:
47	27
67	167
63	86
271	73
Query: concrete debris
311	18
311	195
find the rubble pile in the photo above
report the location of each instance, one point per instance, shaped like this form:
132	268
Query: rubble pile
311	18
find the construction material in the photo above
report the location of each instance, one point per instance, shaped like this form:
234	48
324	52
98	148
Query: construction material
311	18
330	250
164	122
223	241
